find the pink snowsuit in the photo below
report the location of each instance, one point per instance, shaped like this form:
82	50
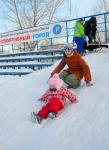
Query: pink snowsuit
55	101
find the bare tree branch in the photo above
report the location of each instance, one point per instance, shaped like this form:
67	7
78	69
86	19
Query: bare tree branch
30	13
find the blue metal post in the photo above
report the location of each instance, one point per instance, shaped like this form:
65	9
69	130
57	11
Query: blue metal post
2	49
24	46
13	48
105	25
51	43
67	35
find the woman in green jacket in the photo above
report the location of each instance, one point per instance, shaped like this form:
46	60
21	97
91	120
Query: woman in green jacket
79	35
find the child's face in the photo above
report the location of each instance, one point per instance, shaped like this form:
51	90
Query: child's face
52	86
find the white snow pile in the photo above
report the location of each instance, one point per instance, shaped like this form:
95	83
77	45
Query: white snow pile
80	126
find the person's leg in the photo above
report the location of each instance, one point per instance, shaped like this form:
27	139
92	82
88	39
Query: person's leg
80	46
55	105
63	74
94	34
72	81
90	38
43	112
75	39
79	41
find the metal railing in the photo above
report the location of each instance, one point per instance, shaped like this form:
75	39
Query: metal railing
58	42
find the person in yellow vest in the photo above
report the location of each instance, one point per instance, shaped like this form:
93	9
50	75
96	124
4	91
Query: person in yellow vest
79	36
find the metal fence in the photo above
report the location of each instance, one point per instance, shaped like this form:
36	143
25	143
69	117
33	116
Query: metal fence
58	42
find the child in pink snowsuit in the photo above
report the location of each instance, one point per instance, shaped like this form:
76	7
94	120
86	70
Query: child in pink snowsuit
54	99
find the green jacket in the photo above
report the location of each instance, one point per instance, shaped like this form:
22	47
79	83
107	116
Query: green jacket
79	29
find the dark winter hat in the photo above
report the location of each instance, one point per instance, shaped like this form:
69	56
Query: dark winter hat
93	19
68	47
82	20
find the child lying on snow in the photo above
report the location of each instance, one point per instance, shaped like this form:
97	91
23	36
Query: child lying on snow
54	98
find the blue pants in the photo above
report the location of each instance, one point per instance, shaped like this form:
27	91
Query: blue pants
79	41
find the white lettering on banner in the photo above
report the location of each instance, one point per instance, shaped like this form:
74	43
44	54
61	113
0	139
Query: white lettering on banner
41	35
